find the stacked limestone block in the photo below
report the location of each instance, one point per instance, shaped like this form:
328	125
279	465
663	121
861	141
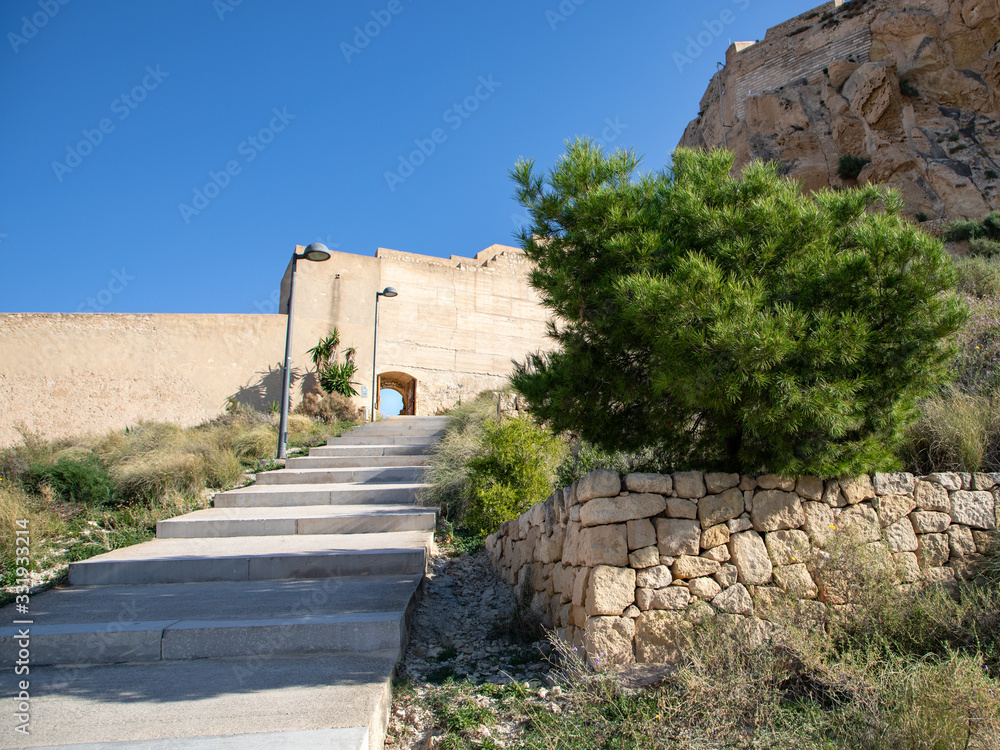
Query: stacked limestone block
622	567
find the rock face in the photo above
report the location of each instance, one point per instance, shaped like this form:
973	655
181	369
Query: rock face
910	86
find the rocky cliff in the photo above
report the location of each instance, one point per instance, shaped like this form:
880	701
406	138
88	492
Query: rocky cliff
909	85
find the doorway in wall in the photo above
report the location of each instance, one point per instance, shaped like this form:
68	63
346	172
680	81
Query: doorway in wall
399	383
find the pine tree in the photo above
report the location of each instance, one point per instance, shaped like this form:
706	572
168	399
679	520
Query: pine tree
732	322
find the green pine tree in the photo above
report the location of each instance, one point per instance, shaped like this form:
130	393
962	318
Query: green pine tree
731	322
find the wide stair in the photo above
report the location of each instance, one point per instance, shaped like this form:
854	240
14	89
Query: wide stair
274	619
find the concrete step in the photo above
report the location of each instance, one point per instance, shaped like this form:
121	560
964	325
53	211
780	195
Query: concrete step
118	624
338	450
257	495
361	438
257	558
377	475
299	519
338	701
350	462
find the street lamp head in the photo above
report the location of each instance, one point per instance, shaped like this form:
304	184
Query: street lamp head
389	291
316	251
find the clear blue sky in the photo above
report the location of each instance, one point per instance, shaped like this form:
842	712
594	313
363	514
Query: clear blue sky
174	91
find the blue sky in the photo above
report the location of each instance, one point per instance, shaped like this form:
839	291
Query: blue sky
167	155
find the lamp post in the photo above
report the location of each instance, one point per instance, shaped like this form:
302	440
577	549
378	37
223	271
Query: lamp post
387	292
317	251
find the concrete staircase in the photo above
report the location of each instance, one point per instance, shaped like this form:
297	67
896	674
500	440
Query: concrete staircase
274	619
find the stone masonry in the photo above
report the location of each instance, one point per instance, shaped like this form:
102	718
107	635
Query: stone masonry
624	566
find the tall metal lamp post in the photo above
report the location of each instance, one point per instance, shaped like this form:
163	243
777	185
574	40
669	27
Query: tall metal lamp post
387	292
317	251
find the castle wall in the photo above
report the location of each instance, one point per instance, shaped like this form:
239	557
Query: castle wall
457	326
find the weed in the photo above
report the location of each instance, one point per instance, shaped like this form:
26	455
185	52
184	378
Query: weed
850	166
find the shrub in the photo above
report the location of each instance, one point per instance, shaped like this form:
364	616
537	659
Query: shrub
850	166
979	277
968	229
77	481
981	247
921	217
732	321
514	470
989	174
336	378
978	361
585	458
907	89
447	471
330	408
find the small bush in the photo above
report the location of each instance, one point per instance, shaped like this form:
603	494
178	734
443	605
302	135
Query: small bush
922	217
979	277
978	362
850	166
336	378
989	174
76	481
515	470
956	149
981	247
223	469
330	408
968	229
585	458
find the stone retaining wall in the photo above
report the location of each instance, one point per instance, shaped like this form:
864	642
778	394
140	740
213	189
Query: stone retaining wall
622	565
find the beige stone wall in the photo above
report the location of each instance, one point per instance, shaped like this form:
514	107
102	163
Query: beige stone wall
457	326
70	374
624	567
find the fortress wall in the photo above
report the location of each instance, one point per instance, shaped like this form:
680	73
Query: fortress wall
457	326
70	374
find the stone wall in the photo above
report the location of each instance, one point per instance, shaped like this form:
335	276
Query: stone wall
623	566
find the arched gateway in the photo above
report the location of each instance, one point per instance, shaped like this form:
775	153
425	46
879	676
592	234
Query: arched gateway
405	385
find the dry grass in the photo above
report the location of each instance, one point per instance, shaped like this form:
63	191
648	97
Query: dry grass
956	431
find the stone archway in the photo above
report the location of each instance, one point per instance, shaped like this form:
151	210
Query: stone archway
405	385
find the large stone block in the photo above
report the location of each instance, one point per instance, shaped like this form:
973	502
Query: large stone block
861	522
975	509
676	536
720	554
608	641
605	510
678	507
660	637
857	489
796	581
687	566
890	508
819	523
660	483
907	566
932	550
603	545
715	536
985	482
809	488
716	509
787	547
947	479
610	590
931	496
899	536
734	600
895	483
716	483
774	510
580	587
929	521
643	558
641	533
775	482
656	577
689	484
749	555
832	495
960	541
704	588
670	598
600	483
726	576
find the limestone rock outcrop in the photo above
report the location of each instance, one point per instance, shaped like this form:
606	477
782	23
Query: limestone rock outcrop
909	85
